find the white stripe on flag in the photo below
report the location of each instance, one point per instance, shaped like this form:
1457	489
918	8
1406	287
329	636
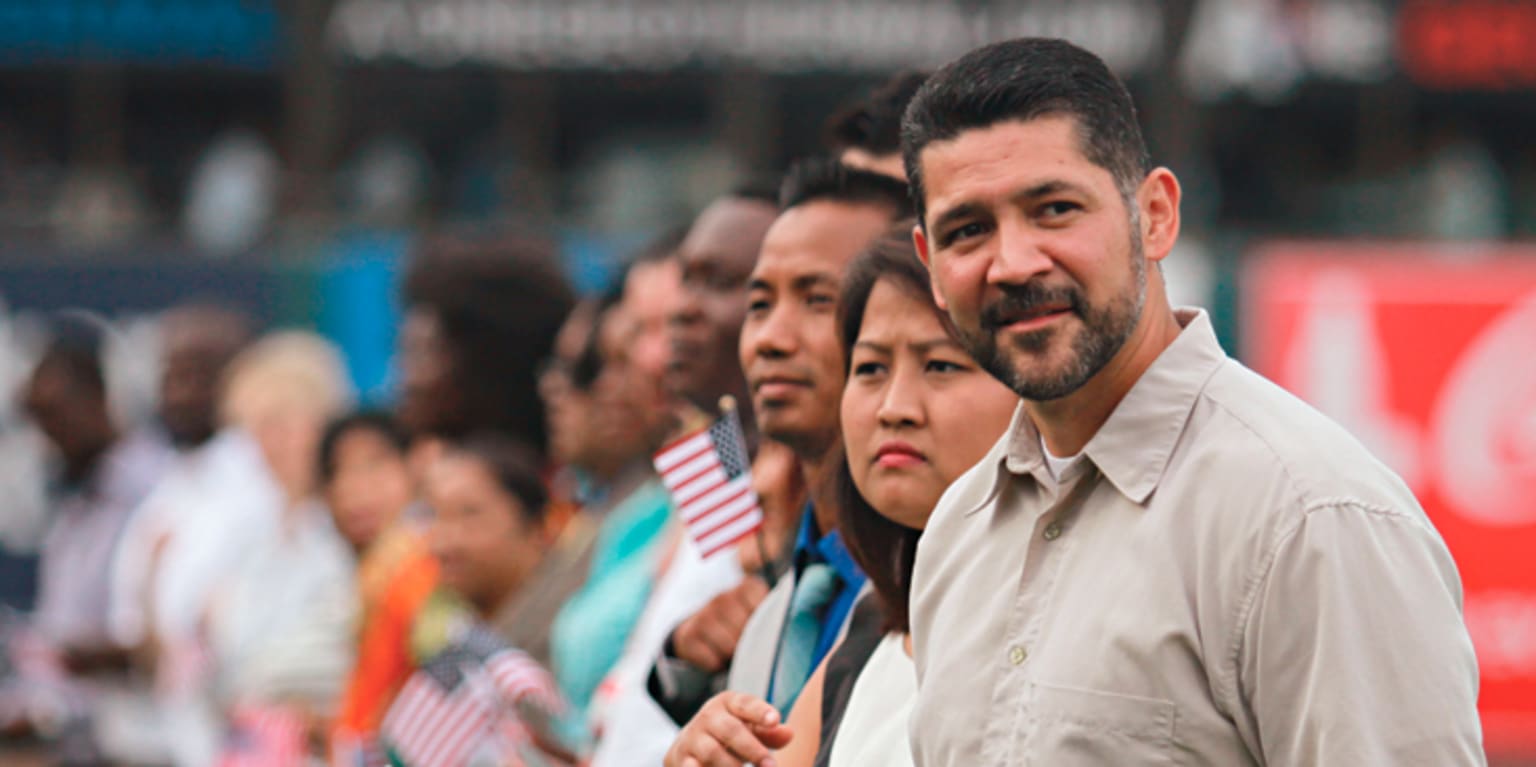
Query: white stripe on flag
706	524
703	519
705	482
401	720
425	732
679	476
682	451
439	724
440	737
731	533
692	510
462	736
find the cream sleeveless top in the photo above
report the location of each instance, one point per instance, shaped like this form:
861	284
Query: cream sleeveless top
874	726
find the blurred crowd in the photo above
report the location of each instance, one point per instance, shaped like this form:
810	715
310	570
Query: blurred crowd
267	574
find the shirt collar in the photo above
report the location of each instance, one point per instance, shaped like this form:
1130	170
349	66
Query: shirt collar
1134	445
812	546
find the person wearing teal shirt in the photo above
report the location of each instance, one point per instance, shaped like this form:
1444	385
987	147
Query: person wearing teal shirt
627	417
591	630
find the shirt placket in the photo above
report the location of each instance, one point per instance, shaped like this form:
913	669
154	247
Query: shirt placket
1043	563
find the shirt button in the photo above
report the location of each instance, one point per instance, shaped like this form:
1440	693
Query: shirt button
1016	655
1053	531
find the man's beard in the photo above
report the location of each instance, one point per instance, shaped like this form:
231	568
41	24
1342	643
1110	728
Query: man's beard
1104	332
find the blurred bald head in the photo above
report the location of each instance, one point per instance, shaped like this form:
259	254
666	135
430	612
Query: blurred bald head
198	341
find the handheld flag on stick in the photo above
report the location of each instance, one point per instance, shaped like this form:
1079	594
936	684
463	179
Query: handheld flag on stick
476	692
709	474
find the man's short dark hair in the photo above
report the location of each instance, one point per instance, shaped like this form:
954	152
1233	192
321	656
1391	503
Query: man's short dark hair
1022	80
821	178
758	187
873	123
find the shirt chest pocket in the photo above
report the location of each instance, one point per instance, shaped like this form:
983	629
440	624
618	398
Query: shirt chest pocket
1073	727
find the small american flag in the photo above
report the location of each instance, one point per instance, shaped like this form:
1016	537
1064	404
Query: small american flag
440	716
266	737
709	475
475	692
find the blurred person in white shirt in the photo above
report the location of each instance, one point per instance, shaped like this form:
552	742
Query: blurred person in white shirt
274	640
215	497
62	656
103	474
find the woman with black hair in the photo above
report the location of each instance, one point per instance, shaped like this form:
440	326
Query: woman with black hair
917	412
475	698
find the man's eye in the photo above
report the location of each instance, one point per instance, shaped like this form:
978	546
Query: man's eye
957	234
1059	208
864	369
944	366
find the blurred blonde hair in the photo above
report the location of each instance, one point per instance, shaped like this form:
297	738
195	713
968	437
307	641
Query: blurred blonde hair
291	372
282	391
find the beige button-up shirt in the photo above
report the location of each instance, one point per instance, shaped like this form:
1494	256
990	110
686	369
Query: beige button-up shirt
1228	579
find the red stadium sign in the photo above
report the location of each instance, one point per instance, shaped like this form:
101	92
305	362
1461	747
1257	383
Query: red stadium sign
1481	44
1428	355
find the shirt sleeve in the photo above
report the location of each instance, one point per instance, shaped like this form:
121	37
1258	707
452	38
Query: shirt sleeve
1353	649
679	687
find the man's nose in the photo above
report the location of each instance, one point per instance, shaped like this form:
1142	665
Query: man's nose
778	335
1020	255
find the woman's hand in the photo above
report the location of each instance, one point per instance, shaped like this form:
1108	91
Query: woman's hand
733	729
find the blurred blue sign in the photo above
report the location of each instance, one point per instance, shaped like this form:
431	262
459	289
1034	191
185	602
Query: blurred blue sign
359	310
243	34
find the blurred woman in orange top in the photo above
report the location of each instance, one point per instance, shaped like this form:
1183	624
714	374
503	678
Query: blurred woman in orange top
368	487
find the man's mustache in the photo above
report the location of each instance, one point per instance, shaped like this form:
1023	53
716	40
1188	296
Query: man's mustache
1026	300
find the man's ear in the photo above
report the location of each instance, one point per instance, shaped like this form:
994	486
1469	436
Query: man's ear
920	243
1158	200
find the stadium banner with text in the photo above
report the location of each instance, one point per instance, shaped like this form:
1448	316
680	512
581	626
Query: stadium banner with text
1428	355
